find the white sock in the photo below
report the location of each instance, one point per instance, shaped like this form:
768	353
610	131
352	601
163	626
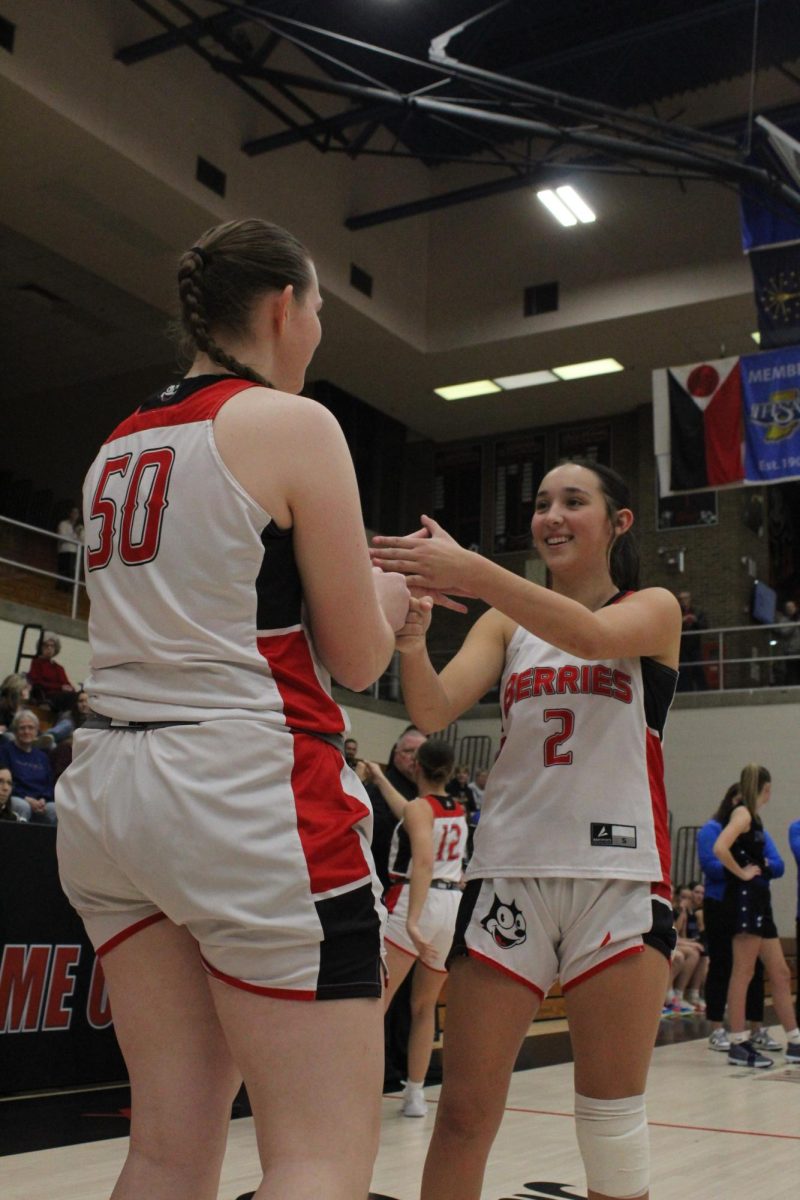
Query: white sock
413	1086
677	994
793	1036
693	995
736	1039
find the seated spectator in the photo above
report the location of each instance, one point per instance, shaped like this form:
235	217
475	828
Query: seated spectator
15	693
47	678
74	718
71	719
31	774
6	811
688	965
689	927
458	787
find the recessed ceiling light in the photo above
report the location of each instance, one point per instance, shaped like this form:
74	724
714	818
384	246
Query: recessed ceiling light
527	379
756	337
598	366
557	207
462	391
576	204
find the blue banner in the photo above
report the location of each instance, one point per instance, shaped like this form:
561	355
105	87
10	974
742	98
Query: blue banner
771	400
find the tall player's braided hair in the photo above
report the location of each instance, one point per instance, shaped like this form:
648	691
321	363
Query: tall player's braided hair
623	552
221	277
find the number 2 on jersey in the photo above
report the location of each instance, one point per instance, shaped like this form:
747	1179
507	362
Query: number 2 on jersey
553	756
147	486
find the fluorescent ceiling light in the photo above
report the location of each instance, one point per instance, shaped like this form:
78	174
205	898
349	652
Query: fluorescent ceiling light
462	391
756	337
528	379
567	206
557	207
599	366
576	204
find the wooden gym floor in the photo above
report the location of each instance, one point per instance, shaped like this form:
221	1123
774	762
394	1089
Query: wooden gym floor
717	1133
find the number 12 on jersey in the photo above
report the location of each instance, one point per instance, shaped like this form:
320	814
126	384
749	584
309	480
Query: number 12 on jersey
136	541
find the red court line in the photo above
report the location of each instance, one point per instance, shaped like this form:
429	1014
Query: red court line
546	1112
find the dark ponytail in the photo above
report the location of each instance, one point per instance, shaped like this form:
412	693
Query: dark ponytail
436	758
224	274
623	557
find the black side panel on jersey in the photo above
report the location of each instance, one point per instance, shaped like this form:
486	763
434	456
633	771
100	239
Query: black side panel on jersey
659	687
279	593
402	862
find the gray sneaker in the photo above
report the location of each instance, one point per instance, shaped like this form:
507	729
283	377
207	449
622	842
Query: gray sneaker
744	1054
762	1039
719	1040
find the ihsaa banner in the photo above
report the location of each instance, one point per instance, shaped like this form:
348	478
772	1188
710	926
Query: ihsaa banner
729	421
771	401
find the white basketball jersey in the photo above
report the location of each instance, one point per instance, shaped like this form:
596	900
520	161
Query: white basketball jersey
449	842
578	786
196	602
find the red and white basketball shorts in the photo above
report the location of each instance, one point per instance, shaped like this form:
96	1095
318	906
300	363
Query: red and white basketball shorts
253	838
437	922
540	930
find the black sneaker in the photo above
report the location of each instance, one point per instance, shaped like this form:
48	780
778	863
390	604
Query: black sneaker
744	1054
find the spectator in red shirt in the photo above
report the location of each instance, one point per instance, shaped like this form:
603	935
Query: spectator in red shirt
48	678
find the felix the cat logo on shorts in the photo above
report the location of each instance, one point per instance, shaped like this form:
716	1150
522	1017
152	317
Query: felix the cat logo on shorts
605	833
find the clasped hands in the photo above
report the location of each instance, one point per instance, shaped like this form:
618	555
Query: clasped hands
435	567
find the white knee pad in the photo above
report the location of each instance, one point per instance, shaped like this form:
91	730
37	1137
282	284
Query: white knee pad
612	1135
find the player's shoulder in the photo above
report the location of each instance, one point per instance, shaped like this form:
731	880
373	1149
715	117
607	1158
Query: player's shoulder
657	597
265	403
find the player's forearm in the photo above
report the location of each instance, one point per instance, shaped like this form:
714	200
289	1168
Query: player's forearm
553	618
426	700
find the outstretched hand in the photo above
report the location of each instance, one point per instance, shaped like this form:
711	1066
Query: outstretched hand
432	561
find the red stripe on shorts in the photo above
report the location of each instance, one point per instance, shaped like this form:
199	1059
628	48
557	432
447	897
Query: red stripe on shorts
276	993
326	815
601	966
306	704
490	962
124	934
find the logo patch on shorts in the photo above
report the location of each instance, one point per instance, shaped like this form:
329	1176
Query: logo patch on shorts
604	833
505	924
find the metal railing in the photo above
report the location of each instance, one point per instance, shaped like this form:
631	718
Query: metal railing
741	658
75	582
